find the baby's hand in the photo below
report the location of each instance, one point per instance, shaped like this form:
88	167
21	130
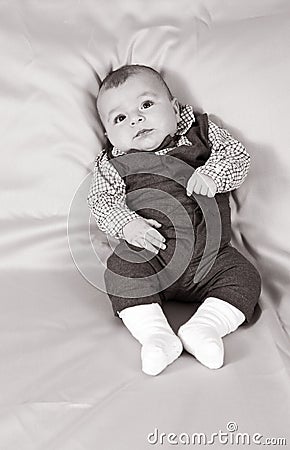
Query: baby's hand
201	184
139	232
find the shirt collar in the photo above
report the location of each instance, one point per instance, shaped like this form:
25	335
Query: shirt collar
186	119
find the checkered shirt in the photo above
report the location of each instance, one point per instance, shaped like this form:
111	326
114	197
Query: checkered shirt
227	165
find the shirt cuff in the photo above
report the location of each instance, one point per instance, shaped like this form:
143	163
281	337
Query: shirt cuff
118	220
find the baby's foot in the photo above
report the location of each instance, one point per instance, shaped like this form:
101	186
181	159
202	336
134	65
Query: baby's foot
159	351
204	343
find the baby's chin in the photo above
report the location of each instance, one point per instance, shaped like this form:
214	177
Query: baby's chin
148	143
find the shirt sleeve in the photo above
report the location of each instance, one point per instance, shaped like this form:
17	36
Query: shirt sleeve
107	199
229	162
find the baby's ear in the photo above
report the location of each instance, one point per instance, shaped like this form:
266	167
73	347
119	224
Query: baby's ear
176	108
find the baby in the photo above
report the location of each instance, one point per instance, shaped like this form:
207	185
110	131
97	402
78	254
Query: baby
162	186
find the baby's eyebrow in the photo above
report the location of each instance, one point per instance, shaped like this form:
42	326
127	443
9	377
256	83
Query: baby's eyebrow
152	94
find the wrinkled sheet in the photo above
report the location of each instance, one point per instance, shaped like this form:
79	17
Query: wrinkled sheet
70	376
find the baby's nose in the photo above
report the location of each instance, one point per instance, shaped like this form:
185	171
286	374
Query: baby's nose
136	120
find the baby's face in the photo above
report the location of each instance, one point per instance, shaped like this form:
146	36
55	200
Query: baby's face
138	114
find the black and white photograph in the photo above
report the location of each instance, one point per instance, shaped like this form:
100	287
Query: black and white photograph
144	224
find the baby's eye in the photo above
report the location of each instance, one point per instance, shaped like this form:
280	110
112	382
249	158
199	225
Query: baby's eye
146	104
119	118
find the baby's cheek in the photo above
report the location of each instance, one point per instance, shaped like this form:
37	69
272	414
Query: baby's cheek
115	138
123	142
170	125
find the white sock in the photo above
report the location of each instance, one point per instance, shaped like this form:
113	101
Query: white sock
202	334
160	345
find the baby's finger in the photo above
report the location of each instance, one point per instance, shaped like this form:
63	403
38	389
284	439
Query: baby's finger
137	243
155	238
148	245
153	232
208	191
191	186
203	189
157	244
143	243
197	188
154	223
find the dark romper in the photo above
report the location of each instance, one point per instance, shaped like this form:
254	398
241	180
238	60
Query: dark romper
199	261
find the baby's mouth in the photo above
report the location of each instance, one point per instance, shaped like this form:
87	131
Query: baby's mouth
143	132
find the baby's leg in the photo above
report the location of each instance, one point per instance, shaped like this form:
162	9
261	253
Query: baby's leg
202	334
160	345
133	288
232	290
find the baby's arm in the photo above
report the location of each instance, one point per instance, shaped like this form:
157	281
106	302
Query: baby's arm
107	202
226	168
106	198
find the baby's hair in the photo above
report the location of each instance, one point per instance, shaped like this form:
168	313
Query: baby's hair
119	76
